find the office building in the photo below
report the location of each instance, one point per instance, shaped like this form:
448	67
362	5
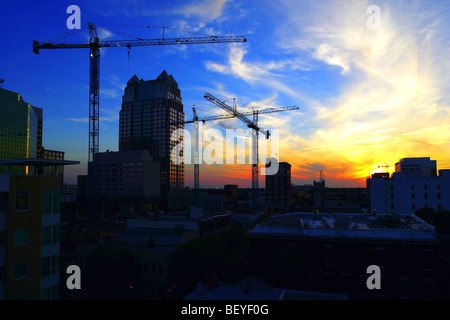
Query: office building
29	231
148	108
415	184
340	199
332	252
20	129
52	155
127	178
278	189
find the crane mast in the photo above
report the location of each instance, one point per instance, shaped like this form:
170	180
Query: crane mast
253	124
94	46
197	135
94	92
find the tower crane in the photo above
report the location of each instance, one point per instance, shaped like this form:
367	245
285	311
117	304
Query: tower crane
94	46
197	133
253	124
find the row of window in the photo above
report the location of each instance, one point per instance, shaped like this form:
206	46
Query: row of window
425	187
414	207
49	265
50	234
51	200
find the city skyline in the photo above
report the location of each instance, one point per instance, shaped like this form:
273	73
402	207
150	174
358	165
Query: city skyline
367	97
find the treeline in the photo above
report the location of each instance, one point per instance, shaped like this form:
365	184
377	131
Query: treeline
438	219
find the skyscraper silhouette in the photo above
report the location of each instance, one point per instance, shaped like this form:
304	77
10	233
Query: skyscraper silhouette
148	108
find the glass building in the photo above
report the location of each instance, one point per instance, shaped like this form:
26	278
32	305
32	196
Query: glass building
20	129
148	109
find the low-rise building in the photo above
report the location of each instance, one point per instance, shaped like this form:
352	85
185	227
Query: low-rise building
415	184
332	252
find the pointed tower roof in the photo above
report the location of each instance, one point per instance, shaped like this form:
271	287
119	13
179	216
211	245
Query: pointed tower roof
134	79
163	75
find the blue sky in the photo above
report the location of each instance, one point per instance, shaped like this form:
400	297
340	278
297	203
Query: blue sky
367	96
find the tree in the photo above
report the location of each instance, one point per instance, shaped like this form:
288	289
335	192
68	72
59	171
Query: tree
440	219
226	252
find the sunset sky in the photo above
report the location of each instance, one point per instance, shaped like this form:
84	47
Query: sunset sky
366	96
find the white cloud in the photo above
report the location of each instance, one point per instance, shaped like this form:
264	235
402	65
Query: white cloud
394	85
207	10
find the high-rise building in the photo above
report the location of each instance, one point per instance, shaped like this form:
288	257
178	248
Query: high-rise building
278	189
148	109
29	231
20	129
415	184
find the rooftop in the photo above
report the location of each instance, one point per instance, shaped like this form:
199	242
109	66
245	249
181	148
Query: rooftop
253	289
344	226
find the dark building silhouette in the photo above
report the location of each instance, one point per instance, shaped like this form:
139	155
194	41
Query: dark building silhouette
278	189
331	253
148	108
127	182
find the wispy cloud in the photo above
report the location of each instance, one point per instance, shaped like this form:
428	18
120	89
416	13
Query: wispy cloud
393	84
106	115
207	10
110	93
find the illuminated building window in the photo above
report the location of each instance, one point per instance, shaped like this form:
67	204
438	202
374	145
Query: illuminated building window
21	200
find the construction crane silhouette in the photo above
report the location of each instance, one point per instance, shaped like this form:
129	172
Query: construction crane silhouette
385	166
196	120
94	46
252	124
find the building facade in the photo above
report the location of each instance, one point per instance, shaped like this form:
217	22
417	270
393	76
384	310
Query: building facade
278	189
29	234
415	184
332	253
149	113
127	178
20	129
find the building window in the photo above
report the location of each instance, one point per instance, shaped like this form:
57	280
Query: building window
425	195
439	207
412	187
439	187
45	266
21	200
45	294
425	186
50	234
413	196
438	195
413	206
46	235
20	237
20	270
51	200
